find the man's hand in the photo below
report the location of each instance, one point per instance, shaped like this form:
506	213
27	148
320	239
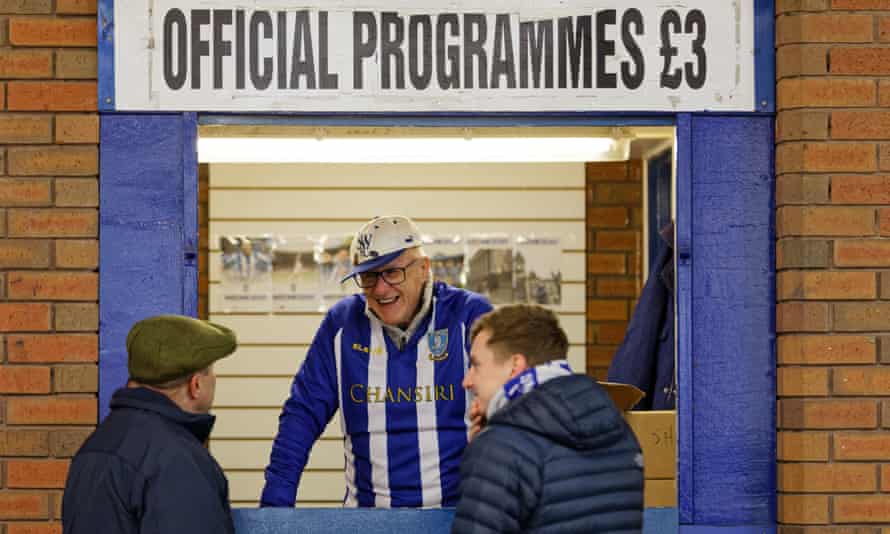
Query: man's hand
477	418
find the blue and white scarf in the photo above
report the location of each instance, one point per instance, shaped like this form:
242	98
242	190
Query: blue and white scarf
527	381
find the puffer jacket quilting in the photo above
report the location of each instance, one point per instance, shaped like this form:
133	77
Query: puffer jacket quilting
558	460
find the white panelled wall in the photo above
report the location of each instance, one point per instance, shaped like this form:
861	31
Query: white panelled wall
293	199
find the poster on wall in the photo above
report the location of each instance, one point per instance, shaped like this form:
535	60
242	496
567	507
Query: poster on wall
333	264
301	273
490	266
296	274
537	270
446	253
246	271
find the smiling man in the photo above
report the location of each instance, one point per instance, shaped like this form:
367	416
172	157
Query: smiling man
392	361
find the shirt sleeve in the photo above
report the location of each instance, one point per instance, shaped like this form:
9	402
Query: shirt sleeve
312	403
477	305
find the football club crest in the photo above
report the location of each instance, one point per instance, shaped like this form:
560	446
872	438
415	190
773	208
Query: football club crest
438	343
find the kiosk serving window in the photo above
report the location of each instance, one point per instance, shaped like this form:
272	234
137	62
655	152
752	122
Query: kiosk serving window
279	223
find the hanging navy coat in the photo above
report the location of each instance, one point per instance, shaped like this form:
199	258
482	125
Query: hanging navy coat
646	356
146	470
558	460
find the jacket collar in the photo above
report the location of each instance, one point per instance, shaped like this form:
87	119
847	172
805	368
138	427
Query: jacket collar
580	414
139	398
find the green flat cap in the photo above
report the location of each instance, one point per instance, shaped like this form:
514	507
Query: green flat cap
167	347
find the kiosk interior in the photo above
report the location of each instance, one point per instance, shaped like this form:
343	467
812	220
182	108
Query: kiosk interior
499	220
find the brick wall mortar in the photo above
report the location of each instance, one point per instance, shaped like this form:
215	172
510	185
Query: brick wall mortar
614	256
48	252
832	193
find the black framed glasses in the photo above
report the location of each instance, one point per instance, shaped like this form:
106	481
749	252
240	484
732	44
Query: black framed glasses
392	276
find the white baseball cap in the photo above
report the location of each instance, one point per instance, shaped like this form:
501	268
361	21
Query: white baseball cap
381	240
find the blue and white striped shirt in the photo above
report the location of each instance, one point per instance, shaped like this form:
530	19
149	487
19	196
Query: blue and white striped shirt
403	412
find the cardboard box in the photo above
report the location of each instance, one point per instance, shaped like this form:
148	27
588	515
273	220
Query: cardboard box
656	432
623	395
660	493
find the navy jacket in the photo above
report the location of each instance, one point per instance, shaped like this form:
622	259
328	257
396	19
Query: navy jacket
646	356
145	469
558	460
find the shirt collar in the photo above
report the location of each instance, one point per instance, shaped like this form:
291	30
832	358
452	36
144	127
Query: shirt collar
401	336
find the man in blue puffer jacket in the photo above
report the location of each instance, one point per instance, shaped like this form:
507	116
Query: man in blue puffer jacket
554	454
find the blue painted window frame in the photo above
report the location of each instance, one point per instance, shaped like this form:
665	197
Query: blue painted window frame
725	310
726	330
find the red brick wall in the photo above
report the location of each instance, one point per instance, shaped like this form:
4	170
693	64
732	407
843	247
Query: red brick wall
48	252
614	256
833	148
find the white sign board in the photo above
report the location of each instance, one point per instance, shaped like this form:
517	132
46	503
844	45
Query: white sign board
424	55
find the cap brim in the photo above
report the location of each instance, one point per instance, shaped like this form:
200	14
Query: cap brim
369	265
